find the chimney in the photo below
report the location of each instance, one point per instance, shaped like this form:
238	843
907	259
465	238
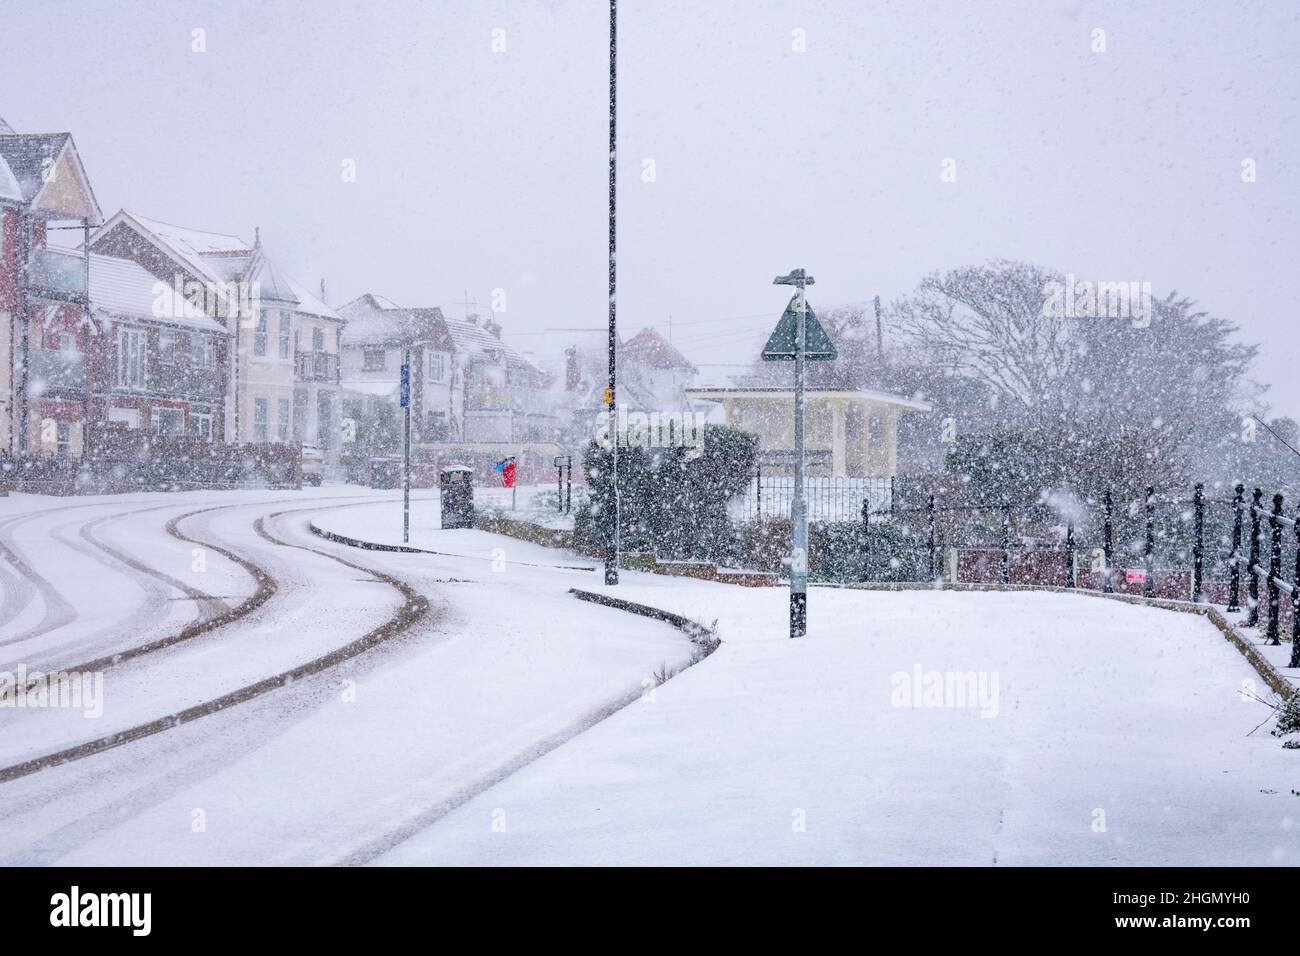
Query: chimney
472	320
322	292
491	327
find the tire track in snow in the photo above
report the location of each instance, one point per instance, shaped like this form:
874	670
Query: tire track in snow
414	607
264	587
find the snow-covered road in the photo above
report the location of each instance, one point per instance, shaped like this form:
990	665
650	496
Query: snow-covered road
481	723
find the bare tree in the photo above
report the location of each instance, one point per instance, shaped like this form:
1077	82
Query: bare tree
989	323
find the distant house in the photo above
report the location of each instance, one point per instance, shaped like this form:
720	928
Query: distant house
660	372
375	340
847	433
652	377
467	385
44	401
503	395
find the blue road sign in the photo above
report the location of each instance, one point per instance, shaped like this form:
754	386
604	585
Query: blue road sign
406	386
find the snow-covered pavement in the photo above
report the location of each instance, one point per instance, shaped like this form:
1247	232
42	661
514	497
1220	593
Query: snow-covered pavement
487	727
1095	733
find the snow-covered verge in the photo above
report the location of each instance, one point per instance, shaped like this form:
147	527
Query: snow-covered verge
535	504
1106	734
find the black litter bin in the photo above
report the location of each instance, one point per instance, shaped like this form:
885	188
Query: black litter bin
456	493
385	473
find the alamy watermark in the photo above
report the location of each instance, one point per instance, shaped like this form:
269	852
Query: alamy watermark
1101	300
242	300
655	430
73	690
951	689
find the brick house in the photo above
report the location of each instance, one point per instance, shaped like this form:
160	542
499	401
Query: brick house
45	324
160	363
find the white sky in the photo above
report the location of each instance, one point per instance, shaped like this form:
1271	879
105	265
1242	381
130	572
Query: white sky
479	170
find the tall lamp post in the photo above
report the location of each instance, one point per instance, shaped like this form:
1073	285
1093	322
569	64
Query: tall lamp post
798	513
611	500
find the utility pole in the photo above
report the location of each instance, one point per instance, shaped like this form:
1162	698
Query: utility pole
880	342
611	501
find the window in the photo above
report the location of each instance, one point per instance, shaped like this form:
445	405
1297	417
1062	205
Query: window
130	358
286	344
259	335
372	360
260	410
168	421
67	342
437	366
167	348
63	440
203	351
201	425
282	420
317	340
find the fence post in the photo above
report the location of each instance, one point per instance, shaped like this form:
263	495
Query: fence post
1234	573
1274	569
1069	554
1198	542
892	498
1252	587
929	517
1108	544
1149	552
1295	597
866	537
758	487
1006	544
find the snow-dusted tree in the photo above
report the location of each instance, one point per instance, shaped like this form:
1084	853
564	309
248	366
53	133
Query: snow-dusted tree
988	323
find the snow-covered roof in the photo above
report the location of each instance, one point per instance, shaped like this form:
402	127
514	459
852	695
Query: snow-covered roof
472	339
271	284
47	173
310	304
375	320
786	393
650	348
195	242
123	289
226	258
26	154
372	320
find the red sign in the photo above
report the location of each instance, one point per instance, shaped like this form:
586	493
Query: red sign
1134	576
508	475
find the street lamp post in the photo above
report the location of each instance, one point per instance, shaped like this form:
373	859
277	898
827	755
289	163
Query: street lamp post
798	510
